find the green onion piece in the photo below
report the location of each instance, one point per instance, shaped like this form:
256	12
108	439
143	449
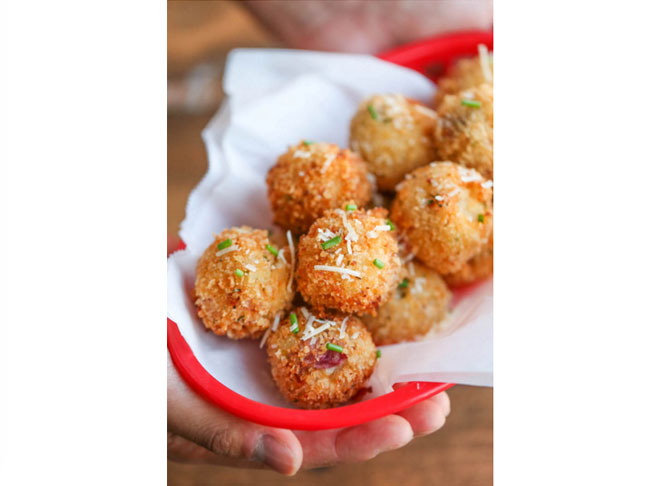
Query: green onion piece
294	328
378	263
334	347
307	142
351	207
372	112
332	242
293	318
378	353
272	250
471	103
480	218
391	225
404	283
238	273
225	244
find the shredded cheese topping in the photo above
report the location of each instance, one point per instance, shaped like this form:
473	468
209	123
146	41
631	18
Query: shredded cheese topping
342	270
292	259
227	250
251	268
343	327
355	335
275	324
484	62
264	338
381	227
487	185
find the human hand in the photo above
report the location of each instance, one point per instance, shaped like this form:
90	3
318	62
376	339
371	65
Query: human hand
200	432
367	27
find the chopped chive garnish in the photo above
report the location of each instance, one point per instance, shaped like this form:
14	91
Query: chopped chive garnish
471	103
307	142
272	250
480	218
293	318
351	207
404	283
378	353
334	347
294	328
372	112
225	244
378	263
332	242
391	225
238	273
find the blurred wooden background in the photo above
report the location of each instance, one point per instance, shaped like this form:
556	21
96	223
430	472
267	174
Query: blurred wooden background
199	36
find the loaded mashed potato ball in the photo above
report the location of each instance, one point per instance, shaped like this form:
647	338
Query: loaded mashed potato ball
466	74
394	135
311	178
446	212
477	268
320	362
242	282
418	304
464	131
348	260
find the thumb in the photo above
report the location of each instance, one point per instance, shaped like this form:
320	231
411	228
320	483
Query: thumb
232	441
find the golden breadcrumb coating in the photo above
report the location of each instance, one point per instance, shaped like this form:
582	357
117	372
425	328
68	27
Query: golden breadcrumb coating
418	304
243	305
312	376
478	267
311	178
465	74
464	134
446	213
394	135
359	271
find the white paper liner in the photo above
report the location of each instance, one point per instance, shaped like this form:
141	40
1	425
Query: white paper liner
274	99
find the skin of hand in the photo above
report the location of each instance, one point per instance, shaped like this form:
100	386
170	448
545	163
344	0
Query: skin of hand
199	432
367	26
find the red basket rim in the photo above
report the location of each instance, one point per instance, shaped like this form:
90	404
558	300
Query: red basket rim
417	56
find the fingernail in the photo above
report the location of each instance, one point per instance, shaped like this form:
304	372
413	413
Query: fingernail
275	454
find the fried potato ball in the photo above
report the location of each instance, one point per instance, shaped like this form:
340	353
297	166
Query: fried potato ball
477	268
465	74
464	130
325	362
394	135
418	304
348	261
242	281
446	213
311	178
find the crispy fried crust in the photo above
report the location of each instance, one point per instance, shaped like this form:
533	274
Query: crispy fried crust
309	375
311	178
478	267
326	289
416	306
438	207
396	140
242	306
465	74
464	134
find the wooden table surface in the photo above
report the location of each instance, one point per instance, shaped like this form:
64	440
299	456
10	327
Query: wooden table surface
461	453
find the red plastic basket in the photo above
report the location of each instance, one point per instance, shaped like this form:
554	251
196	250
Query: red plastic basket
430	57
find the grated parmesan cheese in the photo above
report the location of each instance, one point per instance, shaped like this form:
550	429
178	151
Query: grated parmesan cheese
227	250
355	335
484	62
342	270
251	268
381	227
264	338
339	259
343	327
275	324
292	259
